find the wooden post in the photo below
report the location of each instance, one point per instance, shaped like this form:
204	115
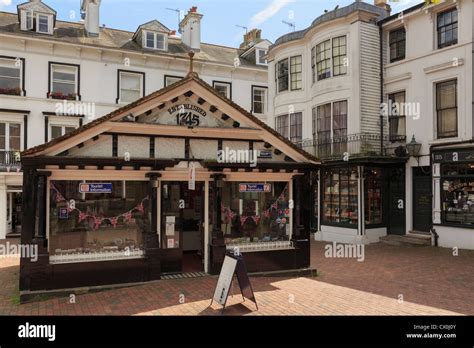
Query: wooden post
152	244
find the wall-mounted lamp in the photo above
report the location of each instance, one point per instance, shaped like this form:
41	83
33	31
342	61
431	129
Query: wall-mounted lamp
413	148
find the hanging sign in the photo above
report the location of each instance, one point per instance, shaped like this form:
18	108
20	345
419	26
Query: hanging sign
95	188
191	176
255	188
233	265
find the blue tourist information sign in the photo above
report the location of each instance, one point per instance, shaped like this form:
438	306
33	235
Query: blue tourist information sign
95	188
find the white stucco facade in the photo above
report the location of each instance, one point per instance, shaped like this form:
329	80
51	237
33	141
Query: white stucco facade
99	62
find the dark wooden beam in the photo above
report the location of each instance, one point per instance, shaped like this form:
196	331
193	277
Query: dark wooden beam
201	101
188	94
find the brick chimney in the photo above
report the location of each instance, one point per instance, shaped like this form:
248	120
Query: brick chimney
383	4
251	38
190	29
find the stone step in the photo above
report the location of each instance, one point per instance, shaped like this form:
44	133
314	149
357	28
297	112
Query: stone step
409	239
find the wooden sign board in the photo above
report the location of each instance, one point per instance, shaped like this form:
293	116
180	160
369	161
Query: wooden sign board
233	265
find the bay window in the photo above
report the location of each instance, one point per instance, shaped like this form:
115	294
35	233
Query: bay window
373	195
296	127
296	72
282	75
281	125
331	132
323	60
339	53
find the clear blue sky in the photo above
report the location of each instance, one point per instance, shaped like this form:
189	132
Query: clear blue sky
220	16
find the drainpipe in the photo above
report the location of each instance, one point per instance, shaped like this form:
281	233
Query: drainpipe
381	86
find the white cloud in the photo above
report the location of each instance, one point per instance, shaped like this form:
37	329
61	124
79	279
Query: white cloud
268	12
4	3
403	4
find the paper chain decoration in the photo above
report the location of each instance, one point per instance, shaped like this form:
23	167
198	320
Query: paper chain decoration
98	220
229	214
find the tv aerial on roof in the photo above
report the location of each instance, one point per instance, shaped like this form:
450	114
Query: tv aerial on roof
243	27
178	11
290	24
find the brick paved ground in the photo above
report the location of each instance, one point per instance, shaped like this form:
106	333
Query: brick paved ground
431	281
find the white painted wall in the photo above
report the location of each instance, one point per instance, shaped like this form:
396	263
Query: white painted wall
417	74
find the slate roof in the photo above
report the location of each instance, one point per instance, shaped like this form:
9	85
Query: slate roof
74	33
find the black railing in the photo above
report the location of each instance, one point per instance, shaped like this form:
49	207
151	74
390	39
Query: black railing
353	145
10	159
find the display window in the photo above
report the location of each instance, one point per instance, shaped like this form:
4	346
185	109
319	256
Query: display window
373	195
96	221
457	194
256	213
340	203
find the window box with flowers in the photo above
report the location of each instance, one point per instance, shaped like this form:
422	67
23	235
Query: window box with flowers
62	96
11	91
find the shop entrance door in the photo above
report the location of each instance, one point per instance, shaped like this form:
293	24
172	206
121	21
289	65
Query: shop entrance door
182	227
422	199
396	201
14	214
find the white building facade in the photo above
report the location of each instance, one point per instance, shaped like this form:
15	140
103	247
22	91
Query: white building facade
56	76
353	89
428	65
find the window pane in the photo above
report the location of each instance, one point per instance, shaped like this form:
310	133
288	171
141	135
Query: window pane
282	73
132	82
129	96
56	132
68	130
150	40
64	88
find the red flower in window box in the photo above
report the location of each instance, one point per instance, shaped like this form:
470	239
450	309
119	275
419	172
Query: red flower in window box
62	96
10	91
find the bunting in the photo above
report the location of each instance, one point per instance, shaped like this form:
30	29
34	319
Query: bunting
98	220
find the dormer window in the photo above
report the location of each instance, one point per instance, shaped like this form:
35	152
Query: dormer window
29	20
260	60
155	41
43	24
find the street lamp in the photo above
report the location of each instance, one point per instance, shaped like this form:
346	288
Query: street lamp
413	148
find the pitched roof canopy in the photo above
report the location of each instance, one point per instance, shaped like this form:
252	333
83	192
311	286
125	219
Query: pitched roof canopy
191	85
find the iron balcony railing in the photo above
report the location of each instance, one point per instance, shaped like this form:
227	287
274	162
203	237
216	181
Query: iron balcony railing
354	145
10	159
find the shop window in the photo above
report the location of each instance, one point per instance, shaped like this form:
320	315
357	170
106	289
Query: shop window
296	73
447	109
10	76
447	25
282	75
281	125
131	86
373	195
259	216
457	194
340	197
259	100
103	226
397	40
